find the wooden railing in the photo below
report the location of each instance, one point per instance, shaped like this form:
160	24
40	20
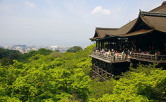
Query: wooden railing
143	56
149	57
118	57
161	57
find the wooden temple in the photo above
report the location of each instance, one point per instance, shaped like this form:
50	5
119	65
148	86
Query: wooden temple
141	41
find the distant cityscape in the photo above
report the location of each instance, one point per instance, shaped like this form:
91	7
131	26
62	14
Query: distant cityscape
26	49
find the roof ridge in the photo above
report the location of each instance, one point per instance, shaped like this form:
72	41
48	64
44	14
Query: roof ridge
156	9
99	28
164	2
144	13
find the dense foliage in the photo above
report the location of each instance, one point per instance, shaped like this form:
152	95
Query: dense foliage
144	84
65	77
7	56
54	77
41	51
74	49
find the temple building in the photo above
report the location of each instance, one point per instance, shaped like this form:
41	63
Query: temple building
140	41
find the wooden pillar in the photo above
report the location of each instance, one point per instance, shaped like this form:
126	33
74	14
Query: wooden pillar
96	44
139	62
110	45
155	56
131	64
101	45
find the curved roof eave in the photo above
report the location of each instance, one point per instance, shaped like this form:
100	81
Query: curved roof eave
156	23
126	28
135	24
102	32
139	32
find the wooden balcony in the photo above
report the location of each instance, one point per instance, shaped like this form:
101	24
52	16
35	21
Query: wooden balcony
110	59
126	58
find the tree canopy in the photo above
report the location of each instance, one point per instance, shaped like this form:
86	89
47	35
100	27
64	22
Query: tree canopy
7	56
74	49
65	77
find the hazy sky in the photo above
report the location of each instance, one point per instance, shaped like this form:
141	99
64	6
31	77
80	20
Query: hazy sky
56	22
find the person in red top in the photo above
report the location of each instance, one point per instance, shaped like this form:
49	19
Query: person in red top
158	52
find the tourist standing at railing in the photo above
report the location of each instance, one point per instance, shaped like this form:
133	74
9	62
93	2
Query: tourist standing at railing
123	55
127	54
107	53
142	52
97	50
147	52
102	51
130	54
113	53
158	53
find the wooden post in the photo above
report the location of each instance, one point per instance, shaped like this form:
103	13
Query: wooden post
131	64
99	45
102	45
155	56
98	71
96	44
139	62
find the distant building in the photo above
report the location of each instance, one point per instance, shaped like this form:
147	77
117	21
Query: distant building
54	48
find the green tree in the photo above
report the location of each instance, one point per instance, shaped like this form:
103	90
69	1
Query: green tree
7	56
74	49
51	77
41	51
44	51
144	84
47	78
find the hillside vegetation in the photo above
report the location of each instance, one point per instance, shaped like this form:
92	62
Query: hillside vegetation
65	77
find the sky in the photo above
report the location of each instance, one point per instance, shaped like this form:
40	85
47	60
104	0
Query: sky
64	22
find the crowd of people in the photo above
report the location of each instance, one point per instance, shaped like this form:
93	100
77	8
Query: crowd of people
123	54
114	53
